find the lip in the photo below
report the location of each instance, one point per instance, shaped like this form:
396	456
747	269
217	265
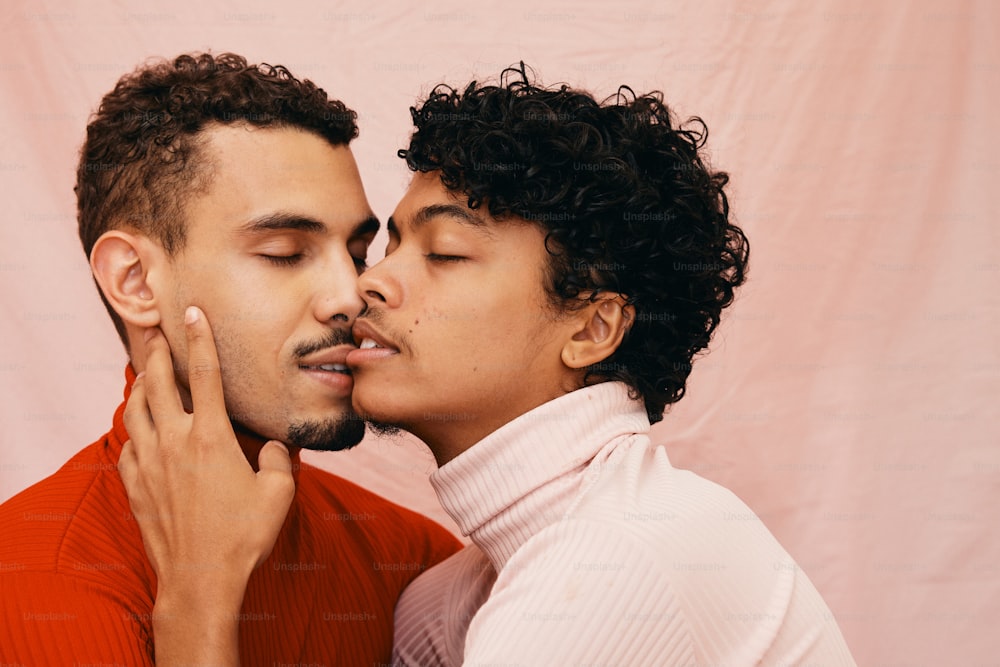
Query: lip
341	383
332	355
363	329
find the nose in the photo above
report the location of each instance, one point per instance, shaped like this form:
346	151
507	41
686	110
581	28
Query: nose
337	298
379	284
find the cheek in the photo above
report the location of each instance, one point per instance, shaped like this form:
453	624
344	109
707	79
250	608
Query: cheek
244	342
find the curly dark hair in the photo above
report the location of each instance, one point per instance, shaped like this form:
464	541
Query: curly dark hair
627	202
142	157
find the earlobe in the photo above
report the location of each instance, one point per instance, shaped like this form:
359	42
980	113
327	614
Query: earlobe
603	326
121	263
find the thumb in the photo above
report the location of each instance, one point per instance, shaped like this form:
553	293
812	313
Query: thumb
275	466
274	456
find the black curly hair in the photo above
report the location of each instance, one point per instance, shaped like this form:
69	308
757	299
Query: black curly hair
628	204
142	157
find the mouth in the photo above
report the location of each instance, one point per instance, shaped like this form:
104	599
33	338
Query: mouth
368	338
372	345
329	367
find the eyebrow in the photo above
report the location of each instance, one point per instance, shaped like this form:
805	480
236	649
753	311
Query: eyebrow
369	225
425	214
294	222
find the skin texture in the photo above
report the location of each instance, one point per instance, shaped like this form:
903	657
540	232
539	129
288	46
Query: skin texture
262	311
470	342
283	294
203	538
463	304
274	245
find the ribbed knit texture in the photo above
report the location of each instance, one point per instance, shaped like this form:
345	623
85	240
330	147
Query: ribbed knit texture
76	587
589	548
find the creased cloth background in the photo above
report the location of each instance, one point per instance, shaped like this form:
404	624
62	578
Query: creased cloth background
849	397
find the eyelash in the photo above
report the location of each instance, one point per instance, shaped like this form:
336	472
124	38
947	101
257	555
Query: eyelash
444	259
360	263
283	260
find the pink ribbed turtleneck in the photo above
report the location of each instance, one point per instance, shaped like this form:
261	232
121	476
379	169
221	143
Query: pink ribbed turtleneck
590	548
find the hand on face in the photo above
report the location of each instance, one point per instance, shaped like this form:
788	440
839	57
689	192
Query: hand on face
207	518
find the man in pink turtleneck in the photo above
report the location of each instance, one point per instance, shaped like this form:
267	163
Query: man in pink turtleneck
552	270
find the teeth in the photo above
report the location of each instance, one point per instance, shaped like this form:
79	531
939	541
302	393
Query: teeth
334	368
368	343
341	368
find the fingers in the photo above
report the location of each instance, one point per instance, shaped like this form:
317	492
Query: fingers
204	376
128	466
275	477
137	419
275	490
161	384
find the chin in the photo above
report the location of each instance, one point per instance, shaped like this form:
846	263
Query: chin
330	435
377	421
383	429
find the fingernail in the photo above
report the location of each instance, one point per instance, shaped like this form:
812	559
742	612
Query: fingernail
191	315
148	335
140	375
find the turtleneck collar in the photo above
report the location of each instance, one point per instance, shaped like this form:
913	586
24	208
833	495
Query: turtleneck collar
528	473
118	435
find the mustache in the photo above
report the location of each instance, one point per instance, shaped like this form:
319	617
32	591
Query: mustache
333	338
377	317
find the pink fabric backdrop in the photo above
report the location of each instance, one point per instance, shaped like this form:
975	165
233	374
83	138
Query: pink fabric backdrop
849	398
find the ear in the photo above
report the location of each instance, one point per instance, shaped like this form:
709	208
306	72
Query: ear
121	263
601	328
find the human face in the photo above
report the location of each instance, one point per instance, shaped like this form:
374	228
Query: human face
468	340
272	253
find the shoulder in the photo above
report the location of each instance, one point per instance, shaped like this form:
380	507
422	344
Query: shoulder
643	524
55	618
584	585
673	512
646	529
85	494
71	537
72	515
434	612
461	581
580	592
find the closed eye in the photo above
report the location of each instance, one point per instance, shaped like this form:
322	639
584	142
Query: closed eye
284	260
434	257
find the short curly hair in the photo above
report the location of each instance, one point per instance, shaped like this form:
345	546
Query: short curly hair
142	157
627	202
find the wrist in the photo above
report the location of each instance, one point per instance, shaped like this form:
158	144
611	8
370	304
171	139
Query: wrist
196	630
208	598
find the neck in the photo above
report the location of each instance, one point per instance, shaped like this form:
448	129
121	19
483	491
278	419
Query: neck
448	436
445	443
446	446
251	446
450	433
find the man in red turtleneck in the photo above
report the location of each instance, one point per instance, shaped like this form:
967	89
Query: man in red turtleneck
231	186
